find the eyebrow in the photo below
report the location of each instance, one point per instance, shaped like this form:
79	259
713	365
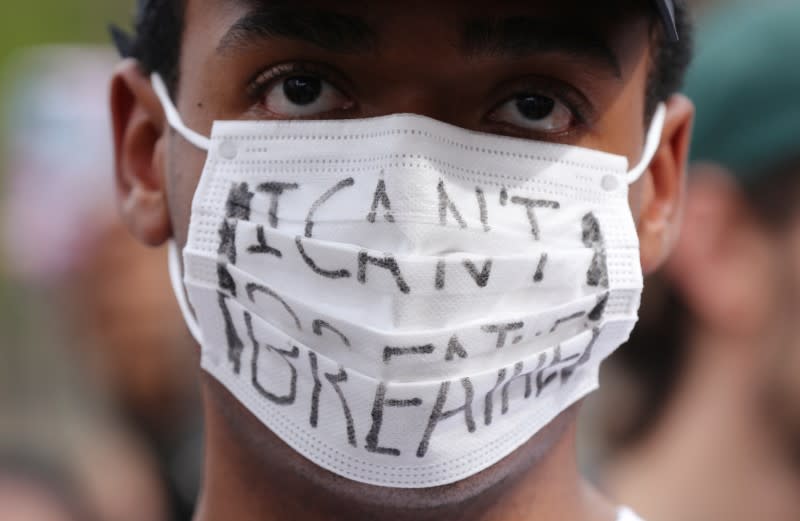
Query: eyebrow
325	29
521	36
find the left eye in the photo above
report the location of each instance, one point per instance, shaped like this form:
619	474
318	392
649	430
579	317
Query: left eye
534	112
304	96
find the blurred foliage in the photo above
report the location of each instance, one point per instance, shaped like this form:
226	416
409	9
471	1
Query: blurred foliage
32	22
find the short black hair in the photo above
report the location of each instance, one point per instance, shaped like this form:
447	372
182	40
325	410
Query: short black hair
156	42
159	28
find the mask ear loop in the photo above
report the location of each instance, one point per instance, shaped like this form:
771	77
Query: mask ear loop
180	293
651	144
174	257
174	118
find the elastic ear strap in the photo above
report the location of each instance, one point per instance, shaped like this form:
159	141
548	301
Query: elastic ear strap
651	145
173	118
175	278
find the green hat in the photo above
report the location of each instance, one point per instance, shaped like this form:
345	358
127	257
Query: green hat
745	82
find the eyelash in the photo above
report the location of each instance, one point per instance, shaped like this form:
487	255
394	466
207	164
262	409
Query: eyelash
264	80
573	99
576	102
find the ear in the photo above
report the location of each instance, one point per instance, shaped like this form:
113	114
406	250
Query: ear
721	261
139	148
661	199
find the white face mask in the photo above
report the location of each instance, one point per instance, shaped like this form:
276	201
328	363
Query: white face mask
402	301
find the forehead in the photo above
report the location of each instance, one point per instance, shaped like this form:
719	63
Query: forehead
573	8
389	53
385	22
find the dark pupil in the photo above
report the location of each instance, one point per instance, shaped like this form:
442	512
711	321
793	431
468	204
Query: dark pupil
535	107
302	90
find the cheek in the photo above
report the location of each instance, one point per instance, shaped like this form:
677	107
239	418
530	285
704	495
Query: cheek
184	167
638	194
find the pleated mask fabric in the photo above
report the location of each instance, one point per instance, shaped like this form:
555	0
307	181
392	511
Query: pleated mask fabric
402	301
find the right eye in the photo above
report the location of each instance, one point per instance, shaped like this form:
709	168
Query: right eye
535	112
303	96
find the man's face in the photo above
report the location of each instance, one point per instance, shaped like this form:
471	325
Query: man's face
557	71
553	71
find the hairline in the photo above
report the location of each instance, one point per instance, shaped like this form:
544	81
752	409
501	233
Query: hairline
657	45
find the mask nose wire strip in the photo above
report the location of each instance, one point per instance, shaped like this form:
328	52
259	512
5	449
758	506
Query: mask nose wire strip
651	144
173	118
180	294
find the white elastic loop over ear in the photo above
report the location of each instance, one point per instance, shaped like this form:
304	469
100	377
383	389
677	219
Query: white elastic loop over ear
174	119
651	145
180	294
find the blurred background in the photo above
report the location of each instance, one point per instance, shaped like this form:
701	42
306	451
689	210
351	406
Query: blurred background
99	416
698	415
697	418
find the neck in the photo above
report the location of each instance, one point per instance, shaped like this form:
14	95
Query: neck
712	438
248	479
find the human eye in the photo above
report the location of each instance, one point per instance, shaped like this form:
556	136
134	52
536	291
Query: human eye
296	91
535	112
540	107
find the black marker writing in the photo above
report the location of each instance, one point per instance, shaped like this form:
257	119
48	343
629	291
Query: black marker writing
380	403
446	204
225	279
543	380
381	199
599	310
313	420
489	399
330	274
593	238
454	348
564	320
484	211
441	268
235	344
567	372
287	399
389	352
238	204
532	204
319	325
514	377
262	248
338	187
438	414
539	275
276	190
227	241
388	263
253	288
334	380
481	277
501	330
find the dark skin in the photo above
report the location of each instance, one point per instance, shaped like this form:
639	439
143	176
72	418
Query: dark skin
416	57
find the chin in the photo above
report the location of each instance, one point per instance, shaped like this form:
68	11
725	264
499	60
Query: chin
264	458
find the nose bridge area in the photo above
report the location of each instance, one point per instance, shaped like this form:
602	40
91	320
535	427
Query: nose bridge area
413	86
421	69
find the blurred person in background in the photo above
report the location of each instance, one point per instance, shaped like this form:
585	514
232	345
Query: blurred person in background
708	426
31	490
100	377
